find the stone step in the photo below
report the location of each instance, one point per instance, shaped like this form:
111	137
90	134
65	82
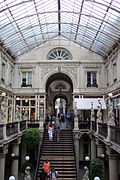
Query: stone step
60	155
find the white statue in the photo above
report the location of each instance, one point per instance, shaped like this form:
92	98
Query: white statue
3	110
92	114
99	114
86	175
25	116
27	174
17	114
111	117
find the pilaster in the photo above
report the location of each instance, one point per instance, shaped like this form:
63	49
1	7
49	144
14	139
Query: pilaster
15	161
3	152
76	136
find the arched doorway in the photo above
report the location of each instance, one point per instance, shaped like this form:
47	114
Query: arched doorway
59	89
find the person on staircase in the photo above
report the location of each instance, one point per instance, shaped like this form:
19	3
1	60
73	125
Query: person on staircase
46	168
42	175
50	132
57	131
53	174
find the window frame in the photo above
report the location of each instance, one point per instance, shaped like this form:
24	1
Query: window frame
92	79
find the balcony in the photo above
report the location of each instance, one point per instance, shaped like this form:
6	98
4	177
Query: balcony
12	130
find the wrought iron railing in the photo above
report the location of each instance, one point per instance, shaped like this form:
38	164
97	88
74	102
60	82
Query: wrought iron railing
94	126
1	132
22	125
115	134
102	129
11	128
84	125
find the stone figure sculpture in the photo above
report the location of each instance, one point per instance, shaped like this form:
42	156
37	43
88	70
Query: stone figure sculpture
17	113
86	175
3	110
27	174
111	116
99	114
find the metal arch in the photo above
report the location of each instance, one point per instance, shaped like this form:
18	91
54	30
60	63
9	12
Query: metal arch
63	12
27	45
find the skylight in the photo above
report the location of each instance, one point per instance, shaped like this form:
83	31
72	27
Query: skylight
25	24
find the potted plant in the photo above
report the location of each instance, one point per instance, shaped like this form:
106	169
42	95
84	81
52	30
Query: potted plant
96	168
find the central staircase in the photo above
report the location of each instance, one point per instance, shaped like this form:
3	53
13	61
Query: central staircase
60	155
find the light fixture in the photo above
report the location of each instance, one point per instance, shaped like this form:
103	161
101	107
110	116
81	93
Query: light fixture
102	155
17	98
3	94
110	95
96	178
27	158
12	155
11	178
87	158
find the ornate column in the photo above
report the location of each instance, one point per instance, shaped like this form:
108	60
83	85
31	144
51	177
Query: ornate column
76	136
15	160
3	152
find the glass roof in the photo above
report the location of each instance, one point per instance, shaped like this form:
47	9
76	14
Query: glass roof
25	24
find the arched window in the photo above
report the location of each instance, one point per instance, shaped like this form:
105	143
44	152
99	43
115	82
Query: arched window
59	54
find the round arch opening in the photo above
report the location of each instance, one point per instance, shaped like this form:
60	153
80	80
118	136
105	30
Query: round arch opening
59	89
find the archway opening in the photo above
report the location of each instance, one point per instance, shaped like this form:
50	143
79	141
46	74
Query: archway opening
59	89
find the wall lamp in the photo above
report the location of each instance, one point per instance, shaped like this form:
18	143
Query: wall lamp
13	156
11	178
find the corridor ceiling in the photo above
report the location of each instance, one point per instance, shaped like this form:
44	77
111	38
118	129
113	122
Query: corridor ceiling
93	24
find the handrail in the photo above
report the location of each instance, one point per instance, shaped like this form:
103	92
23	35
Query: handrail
39	155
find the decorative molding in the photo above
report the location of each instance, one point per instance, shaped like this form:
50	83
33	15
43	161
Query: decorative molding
91	65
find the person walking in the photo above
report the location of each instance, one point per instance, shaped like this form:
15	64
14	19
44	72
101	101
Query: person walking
46	167
42	175
53	174
57	131
50	132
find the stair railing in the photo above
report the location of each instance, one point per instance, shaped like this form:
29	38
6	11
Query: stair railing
39	155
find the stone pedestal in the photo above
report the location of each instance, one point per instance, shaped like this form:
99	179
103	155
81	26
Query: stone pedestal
100	150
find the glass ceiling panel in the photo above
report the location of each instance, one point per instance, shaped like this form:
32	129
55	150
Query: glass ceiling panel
92	24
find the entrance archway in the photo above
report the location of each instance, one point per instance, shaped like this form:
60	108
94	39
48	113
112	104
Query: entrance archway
59	86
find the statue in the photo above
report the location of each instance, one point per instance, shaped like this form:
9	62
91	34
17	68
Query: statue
25	116
86	175
99	114
17	114
3	110
27	174
92	114
111	117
